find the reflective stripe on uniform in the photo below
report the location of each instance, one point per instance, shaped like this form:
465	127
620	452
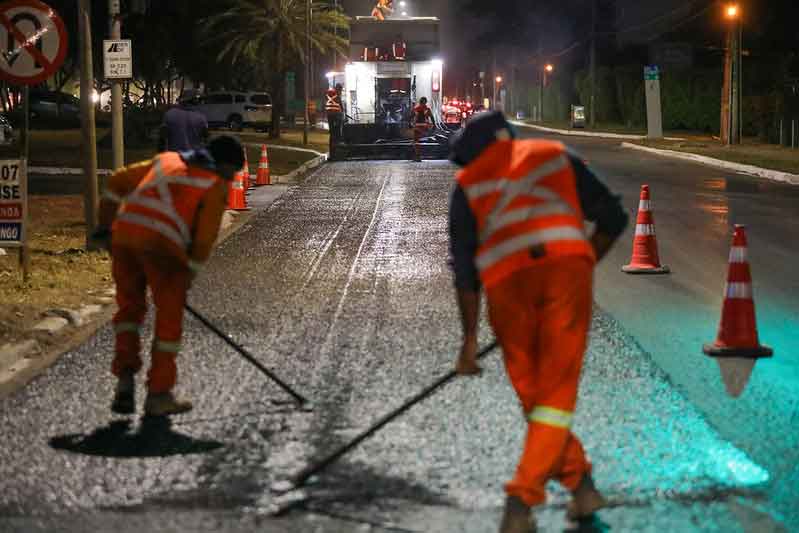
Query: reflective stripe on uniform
156	225
332	105
195	266
551	417
554	207
126	327
497	253
164	205
514	187
111	195
166	346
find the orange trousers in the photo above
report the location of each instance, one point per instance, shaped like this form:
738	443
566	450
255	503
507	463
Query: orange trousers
541	317
168	279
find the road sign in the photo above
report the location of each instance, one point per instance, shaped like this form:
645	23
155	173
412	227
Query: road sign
13	203
654	113
33	42
652	73
118	59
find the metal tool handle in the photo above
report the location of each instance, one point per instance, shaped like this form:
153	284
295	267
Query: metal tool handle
249	357
312	470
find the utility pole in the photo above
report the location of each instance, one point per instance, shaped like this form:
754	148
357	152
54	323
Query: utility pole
88	132
592	96
117	117
307	70
732	88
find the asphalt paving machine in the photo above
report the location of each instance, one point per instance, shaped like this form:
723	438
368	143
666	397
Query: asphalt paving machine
392	64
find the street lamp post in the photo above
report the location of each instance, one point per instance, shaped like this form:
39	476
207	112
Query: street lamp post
731	97
548	68
497	83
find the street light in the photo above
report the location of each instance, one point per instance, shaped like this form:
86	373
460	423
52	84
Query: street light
497	82
731	101
548	68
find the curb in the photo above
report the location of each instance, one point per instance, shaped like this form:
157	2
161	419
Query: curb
305	167
282	147
579	133
774	175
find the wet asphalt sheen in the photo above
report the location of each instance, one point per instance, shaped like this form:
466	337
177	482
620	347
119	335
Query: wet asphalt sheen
341	287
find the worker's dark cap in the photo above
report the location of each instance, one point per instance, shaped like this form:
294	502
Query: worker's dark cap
339	86
226	149
482	130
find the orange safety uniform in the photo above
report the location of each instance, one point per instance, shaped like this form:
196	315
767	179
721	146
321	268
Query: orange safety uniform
165	216
382	9
535	263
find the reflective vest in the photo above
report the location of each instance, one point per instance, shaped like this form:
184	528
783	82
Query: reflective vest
162	208
420	115
333	104
398	50
524	197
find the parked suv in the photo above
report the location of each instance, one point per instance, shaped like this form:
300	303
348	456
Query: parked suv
235	110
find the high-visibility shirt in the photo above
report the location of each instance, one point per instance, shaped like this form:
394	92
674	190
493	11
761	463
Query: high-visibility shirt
524	198
170	205
421	113
399	50
333	104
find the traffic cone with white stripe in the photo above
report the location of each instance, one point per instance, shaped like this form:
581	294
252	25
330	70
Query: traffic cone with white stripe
263	177
236	197
245	172
737	336
645	259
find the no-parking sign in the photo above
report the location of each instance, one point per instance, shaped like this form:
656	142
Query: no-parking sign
33	42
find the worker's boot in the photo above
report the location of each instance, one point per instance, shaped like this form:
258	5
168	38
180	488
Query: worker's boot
516	518
586	500
165	404
125	396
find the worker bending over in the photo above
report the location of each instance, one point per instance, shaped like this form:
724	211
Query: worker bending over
516	229
160	219
422	122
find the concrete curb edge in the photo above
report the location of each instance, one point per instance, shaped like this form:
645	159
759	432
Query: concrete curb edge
578	133
774	175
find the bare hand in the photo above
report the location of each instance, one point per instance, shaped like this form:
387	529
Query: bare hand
467	360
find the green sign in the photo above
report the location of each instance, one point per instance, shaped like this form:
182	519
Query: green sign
651	73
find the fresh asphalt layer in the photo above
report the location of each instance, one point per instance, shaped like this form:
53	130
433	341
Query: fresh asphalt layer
342	288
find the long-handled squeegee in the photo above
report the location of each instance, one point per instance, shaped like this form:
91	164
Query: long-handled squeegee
304	402
288	486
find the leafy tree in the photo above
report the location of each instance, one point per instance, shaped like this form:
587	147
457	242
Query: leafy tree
269	36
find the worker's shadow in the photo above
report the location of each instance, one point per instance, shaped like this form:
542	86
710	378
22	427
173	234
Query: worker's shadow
154	438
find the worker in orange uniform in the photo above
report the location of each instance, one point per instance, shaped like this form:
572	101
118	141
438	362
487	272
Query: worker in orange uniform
383	9
422	122
160	218
335	115
517	230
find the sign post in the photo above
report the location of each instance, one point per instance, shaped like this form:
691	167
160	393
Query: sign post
35	40
654	115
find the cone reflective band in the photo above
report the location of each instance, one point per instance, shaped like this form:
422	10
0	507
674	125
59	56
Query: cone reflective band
737	336
236	198
645	258
245	172
263	176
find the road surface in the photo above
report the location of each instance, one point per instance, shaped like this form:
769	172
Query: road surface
342	288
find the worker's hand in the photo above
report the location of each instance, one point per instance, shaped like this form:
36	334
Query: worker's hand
467	360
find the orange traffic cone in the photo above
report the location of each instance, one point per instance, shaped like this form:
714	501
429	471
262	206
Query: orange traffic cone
245	172
737	336
645	258
263	177
236	198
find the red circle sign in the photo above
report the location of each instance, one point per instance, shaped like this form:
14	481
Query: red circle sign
33	42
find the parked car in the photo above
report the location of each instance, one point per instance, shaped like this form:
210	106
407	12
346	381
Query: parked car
54	108
234	110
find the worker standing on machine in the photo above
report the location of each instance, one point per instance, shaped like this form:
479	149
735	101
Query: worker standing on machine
335	115
422	122
517	229
160	219
383	9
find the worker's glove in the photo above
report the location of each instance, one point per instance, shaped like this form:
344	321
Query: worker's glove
102	237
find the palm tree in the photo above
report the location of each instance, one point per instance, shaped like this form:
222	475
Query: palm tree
269	36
